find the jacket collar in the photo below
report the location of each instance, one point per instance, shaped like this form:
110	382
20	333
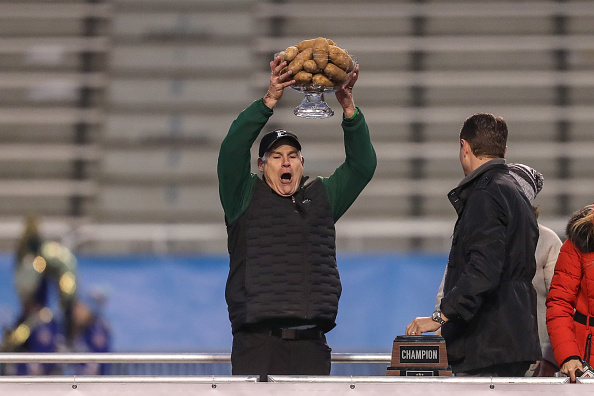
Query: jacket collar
481	169
459	194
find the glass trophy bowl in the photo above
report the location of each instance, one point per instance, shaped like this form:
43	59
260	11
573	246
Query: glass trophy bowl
314	105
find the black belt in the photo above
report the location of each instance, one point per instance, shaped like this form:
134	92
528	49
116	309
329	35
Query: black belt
581	318
297	334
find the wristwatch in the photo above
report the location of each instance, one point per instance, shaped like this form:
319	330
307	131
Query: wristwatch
437	317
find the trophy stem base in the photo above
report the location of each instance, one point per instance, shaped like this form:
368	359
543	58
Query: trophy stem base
313	105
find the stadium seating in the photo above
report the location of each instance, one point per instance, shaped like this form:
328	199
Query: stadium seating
52	78
166	80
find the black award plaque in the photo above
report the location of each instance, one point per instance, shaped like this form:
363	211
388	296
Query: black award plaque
423	355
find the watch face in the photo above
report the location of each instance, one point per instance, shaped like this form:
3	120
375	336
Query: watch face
437	317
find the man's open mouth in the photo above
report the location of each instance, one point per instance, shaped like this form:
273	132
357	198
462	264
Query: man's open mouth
286	176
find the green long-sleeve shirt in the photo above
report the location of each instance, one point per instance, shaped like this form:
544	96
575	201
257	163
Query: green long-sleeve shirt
234	171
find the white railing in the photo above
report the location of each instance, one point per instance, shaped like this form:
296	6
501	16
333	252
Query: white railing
165	358
149	385
288	386
172	364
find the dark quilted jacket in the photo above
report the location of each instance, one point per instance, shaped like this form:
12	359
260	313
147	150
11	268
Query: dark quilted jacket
288	247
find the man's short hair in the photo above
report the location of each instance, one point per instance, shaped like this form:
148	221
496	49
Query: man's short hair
486	134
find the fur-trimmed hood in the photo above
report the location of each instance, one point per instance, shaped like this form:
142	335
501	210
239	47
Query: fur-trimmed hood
580	229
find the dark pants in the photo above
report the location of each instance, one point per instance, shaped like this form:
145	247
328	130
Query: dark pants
259	353
516	369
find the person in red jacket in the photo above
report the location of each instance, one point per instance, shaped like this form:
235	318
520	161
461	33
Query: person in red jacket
570	302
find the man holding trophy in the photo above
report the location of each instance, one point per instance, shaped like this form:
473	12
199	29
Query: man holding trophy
283	286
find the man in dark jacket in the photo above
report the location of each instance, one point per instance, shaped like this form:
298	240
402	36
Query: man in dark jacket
283	286
488	312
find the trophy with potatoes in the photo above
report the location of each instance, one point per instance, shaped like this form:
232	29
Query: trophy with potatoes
421	355
318	66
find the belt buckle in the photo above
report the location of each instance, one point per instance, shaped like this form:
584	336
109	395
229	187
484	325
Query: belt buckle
289	334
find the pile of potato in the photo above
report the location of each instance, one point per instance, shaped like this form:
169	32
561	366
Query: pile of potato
318	62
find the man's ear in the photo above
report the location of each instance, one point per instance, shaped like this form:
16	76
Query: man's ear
465	146
302	160
261	165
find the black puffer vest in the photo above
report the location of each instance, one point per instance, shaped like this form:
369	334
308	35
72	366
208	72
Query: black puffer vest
283	260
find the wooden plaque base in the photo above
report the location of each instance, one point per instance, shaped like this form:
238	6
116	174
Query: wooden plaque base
423	355
419	372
